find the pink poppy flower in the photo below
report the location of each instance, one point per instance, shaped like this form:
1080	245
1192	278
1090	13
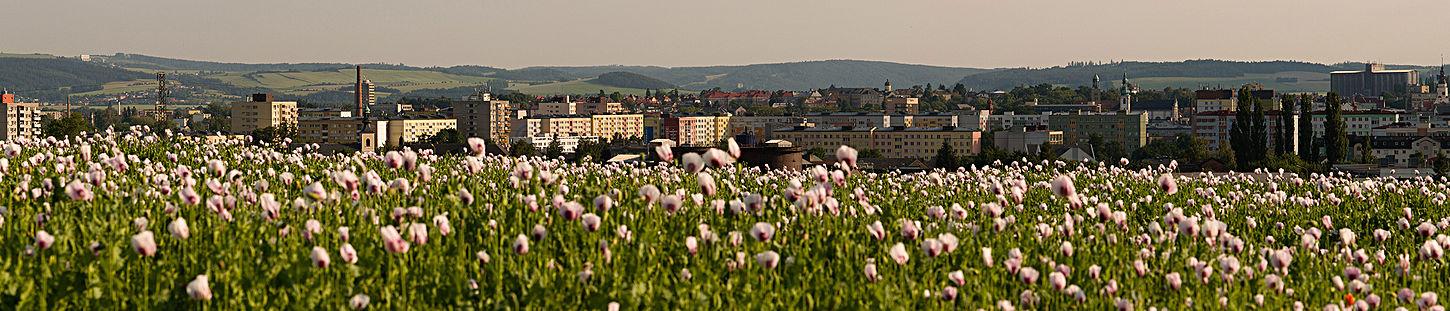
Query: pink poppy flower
359	302
876	230
603	203
43	240
692	245
707	183
958	277
393	242
199	289
590	222
898	254
692	162
870	270
762	231
949	293
79	191
521	245
476	145
418	233
465	197
716	158
1062	187
664	153
347	253
1168	184
319	257
144	243
179	229
847	155
441	221
733	148
671	203
769	259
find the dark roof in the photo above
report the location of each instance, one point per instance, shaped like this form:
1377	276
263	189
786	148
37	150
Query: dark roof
1161	104
1214	94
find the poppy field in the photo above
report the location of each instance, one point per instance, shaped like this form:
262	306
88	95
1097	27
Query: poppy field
140	220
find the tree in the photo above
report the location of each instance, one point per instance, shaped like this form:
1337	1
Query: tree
446	136
1282	134
523	148
1260	132
1308	147
554	150
1366	152
1336	142
946	156
70	125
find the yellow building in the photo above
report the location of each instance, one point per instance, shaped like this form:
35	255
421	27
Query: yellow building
565	108
931	120
602	108
262	112
702	130
343	131
609	126
892	142
901	105
483	117
411	130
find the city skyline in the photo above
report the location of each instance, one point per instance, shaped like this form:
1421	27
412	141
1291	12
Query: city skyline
979	34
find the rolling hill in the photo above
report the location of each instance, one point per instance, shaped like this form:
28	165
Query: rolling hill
1281	75
787	76
51	77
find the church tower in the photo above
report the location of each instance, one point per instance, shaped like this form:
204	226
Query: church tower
1125	95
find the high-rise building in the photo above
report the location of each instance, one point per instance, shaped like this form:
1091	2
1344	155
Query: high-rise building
484	117
262	112
22	120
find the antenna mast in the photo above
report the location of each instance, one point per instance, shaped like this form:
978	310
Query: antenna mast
162	95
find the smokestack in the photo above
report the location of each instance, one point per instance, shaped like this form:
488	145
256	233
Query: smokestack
358	92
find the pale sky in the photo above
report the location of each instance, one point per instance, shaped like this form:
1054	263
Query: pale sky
519	33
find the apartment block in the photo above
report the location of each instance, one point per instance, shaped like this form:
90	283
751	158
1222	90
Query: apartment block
22	120
414	129
330	130
484	117
262	112
1128	129
894	142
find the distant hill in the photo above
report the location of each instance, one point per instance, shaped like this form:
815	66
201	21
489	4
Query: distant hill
787	76
631	80
41	77
1284	75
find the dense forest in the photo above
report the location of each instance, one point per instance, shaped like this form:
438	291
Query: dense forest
631	80
35	77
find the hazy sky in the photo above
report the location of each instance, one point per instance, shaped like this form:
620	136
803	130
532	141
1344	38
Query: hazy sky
518	33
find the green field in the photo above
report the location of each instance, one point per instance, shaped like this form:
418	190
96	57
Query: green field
576	87
119	87
309	82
